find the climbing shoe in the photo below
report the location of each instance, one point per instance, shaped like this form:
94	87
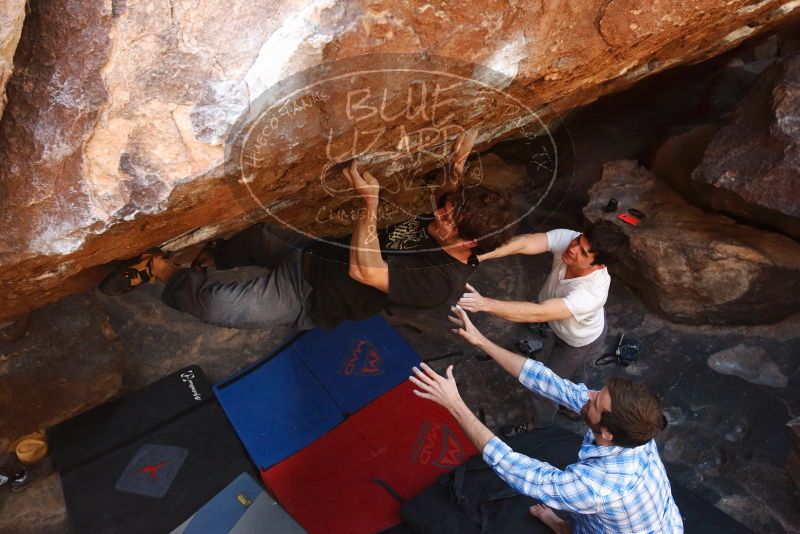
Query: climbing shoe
131	274
32	473
511	431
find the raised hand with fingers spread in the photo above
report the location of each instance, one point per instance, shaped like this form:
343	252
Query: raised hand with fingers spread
433	386
443	391
465	328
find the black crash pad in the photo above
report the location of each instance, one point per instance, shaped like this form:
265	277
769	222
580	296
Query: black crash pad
147	461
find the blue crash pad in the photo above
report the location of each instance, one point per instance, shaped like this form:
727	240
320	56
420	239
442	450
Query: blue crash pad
305	388
277	407
358	362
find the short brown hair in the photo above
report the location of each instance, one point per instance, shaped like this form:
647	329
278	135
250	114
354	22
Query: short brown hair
635	417
608	242
486	215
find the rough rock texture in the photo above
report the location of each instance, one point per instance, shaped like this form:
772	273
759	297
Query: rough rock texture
69	361
793	461
749	363
12	14
694	266
111	142
676	158
160	340
38	510
728	87
750	169
793	465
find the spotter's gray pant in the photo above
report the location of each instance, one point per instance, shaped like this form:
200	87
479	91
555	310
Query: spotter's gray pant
567	362
280	297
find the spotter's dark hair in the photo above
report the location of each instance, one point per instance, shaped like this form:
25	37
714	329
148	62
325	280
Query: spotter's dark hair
608	242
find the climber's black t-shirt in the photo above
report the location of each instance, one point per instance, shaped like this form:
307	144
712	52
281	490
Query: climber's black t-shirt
421	275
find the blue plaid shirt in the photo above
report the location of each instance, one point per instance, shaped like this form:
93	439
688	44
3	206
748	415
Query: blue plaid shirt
610	489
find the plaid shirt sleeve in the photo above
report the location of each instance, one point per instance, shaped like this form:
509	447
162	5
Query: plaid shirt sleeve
564	490
540	379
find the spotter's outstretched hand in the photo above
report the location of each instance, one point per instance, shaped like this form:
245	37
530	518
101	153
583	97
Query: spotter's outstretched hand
472	301
464	326
433	386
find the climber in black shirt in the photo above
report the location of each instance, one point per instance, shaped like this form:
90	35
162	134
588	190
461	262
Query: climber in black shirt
418	264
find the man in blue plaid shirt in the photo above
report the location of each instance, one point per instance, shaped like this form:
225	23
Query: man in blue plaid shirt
618	484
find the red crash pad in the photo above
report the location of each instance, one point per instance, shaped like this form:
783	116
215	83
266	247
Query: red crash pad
328	486
399	439
418	438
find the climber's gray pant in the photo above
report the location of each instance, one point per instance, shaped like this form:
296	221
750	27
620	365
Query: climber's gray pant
567	362
280	297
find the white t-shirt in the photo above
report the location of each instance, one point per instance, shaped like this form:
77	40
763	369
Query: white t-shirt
584	295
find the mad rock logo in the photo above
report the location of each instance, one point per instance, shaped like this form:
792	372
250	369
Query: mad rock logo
437	445
362	358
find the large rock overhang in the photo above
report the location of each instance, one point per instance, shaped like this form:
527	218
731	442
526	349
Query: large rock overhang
113	137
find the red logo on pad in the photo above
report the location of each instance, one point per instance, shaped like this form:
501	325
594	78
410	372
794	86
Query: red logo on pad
362	358
153	469
437	445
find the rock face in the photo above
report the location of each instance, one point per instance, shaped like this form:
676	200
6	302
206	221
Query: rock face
692	266
750	169
793	461
38	510
12	13
112	141
677	157
749	363
70	363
